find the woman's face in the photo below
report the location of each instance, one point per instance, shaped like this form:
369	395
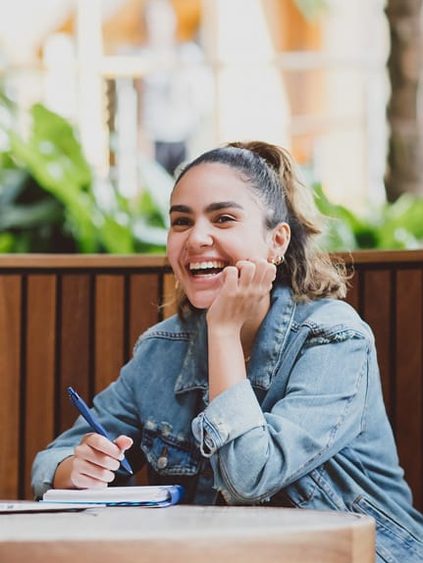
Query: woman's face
215	221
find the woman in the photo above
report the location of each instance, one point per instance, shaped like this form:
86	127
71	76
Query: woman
265	387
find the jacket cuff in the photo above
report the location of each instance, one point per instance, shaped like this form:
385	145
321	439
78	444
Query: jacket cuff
44	468
231	414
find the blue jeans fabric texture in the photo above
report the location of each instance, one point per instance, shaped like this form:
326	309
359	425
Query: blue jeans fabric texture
307	428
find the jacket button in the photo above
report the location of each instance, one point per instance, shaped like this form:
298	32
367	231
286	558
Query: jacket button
162	462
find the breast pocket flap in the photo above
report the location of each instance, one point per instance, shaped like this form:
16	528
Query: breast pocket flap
170	455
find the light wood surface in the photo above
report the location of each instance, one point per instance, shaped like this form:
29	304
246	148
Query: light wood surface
187	534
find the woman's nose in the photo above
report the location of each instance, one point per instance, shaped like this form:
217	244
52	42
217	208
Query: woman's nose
200	235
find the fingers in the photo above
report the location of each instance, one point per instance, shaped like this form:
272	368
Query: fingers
247	272
96	459
243	288
101	445
230	280
269	275
124	443
85	474
259	273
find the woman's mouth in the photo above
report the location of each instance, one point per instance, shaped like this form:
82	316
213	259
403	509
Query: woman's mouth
208	268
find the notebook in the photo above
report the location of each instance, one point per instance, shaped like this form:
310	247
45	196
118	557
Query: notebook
154	496
24	506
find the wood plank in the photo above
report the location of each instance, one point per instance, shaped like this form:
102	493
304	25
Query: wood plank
84	261
10	439
169	301
15	261
144	301
378	314
75	344
353	295
409	385
40	375
109	328
391	258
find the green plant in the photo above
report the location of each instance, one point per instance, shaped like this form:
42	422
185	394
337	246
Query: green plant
397	225
50	200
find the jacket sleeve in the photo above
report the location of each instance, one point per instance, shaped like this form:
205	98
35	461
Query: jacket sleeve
254	454
115	409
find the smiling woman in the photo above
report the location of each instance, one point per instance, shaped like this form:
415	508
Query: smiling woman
256	223
302	422
215	232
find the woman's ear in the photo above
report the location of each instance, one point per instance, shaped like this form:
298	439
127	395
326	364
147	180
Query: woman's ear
281	235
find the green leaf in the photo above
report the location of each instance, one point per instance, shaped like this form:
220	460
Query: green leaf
55	138
60	173
145	233
7	241
396	226
149	211
12	183
406	212
158	184
116	238
337	236
28	216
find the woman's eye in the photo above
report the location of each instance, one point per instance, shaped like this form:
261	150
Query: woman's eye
224	219
180	222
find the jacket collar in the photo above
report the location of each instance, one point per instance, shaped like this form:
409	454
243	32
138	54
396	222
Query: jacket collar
266	353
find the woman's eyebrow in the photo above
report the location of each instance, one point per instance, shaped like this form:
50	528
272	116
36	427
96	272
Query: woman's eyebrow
209	209
223	205
180	209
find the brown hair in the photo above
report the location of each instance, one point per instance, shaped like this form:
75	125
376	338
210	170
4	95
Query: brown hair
270	173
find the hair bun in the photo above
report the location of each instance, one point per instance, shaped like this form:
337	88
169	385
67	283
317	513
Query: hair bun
268	152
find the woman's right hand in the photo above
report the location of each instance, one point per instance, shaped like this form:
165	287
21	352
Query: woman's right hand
93	463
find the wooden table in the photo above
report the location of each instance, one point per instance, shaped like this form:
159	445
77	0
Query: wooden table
187	534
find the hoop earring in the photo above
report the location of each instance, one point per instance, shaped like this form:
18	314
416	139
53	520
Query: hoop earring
278	260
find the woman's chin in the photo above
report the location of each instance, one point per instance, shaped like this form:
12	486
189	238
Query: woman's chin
201	292
203	301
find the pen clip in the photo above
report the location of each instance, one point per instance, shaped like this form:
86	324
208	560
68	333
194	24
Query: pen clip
73	395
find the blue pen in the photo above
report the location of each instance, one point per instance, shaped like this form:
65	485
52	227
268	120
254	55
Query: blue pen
95	424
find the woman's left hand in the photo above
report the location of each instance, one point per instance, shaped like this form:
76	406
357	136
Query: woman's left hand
244	287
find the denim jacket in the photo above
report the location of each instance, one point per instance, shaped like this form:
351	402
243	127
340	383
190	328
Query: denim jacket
307	428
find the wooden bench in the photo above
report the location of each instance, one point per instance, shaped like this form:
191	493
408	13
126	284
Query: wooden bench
73	320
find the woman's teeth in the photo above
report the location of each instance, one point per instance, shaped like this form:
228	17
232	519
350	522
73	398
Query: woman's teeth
206	265
206	268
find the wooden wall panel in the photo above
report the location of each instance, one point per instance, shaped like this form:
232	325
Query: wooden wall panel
169	302
40	368
377	313
353	295
10	365
75	344
109	328
144	300
144	312
409	370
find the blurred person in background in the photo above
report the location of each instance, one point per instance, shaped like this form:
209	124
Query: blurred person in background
176	95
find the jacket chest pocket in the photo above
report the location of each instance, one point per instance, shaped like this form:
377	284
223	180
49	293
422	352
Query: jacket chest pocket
170	455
